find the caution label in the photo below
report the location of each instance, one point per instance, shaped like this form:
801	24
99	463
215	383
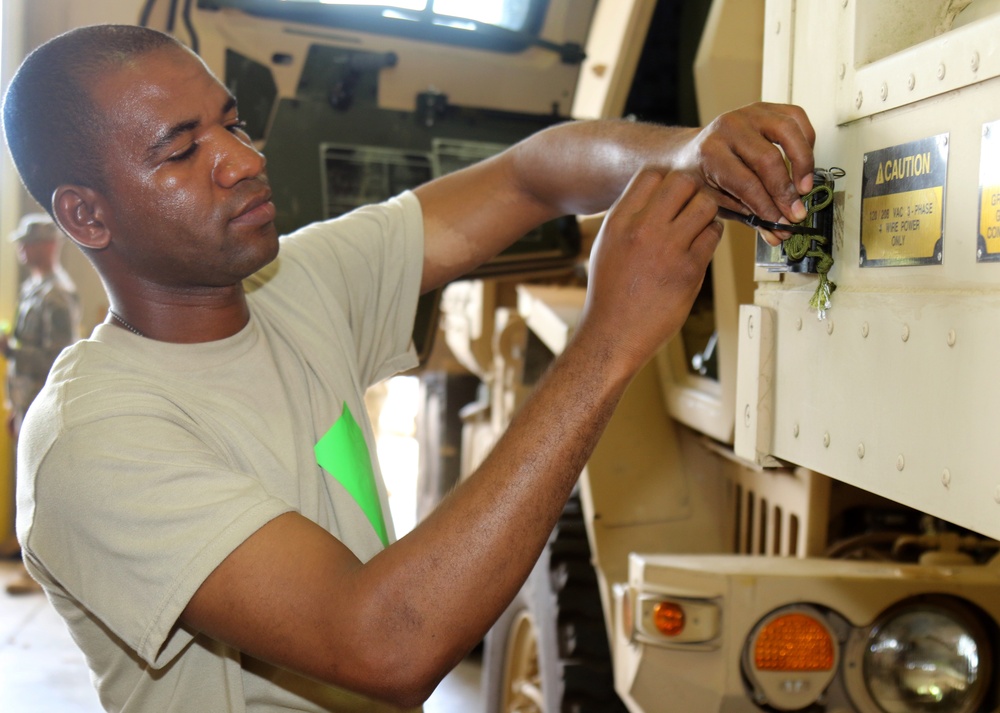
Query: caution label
902	204
988	240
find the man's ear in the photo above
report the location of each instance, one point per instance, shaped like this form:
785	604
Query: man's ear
84	215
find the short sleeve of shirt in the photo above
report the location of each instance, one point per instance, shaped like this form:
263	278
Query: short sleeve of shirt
141	470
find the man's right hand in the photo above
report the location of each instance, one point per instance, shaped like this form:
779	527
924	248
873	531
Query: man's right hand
648	265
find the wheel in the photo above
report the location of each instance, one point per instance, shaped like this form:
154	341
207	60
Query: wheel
521	684
549	653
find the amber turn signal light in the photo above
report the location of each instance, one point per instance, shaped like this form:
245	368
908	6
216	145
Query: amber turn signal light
793	642
668	617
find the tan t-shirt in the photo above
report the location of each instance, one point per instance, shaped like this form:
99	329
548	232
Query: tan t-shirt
144	464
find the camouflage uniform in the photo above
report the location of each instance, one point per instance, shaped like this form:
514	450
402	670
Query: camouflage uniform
48	320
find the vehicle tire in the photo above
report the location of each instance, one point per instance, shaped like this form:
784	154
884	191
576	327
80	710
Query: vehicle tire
549	653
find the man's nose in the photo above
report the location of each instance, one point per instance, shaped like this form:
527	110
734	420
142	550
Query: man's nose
237	160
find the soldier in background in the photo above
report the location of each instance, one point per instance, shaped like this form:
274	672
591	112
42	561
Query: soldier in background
48	320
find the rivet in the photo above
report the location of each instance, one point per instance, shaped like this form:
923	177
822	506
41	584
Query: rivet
843	70
946	478
951	337
883	91
941	71
906	332
859	100
911	82
900	462
777	28
974	62
861	450
986	130
829	326
864	330
798	324
746	416
826	440
750	326
795	430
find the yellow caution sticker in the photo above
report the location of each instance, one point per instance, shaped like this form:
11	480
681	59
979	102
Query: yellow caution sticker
902	204
988	240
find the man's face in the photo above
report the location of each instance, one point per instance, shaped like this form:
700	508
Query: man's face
190	202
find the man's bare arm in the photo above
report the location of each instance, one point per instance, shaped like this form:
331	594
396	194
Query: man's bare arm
393	627
582	167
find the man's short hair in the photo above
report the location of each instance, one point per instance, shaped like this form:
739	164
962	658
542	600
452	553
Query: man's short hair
54	130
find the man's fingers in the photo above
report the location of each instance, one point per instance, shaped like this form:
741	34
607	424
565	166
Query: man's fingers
674	208
796	137
746	161
707	241
769	237
780	199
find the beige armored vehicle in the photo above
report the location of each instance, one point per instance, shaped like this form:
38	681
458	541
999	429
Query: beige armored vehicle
792	509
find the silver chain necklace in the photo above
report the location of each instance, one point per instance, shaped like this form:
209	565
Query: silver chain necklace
118	318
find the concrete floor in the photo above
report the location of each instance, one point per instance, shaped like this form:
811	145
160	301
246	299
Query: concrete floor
42	671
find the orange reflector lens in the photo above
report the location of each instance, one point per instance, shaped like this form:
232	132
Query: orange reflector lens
793	642
668	618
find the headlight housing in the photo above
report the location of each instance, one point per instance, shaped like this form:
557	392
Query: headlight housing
929	656
790	657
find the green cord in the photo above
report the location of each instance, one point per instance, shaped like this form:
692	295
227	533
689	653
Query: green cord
800	246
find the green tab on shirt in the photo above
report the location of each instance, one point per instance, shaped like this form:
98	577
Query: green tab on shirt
343	453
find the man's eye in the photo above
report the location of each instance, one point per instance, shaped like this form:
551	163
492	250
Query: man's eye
185	154
240	126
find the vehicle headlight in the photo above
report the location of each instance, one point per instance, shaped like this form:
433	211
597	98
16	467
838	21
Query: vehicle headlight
791	657
927	657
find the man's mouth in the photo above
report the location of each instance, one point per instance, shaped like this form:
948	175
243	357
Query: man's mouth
258	210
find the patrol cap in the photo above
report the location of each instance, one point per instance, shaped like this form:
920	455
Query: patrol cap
35	227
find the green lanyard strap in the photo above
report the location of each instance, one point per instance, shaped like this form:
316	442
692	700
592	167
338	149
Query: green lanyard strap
801	245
